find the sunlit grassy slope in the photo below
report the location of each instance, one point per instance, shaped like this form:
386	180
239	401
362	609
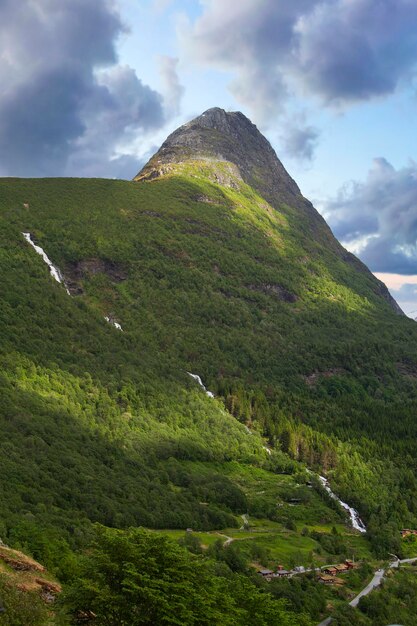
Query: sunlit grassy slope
88	416
209	275
296	339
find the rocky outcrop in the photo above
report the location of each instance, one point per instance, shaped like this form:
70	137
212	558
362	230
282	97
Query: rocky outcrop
217	135
235	150
275	290
86	268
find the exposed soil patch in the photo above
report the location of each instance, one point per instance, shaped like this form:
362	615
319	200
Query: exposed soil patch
75	273
313	378
407	369
275	290
49	590
27	575
19	561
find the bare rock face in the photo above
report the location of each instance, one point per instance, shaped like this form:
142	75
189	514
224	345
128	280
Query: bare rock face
76	272
232	140
276	290
220	136
217	137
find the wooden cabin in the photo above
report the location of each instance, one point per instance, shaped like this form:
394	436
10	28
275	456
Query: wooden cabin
282	573
266	574
325	579
342	568
330	580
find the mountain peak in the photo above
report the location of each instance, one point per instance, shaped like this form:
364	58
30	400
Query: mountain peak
229	122
219	135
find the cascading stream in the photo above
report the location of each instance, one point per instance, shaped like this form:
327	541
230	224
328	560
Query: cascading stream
197	378
354	515
54	271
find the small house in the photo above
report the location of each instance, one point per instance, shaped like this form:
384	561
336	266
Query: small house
330	571
330	580
267	574
341	569
326	580
282	573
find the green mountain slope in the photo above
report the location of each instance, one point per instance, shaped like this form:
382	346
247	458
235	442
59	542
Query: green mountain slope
86	421
212	263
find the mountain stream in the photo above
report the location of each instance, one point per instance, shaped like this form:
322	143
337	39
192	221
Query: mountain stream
197	378
354	515
55	273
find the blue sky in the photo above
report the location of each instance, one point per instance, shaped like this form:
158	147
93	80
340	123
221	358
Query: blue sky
331	83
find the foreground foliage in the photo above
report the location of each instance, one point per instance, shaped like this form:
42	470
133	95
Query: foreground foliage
138	577
20	608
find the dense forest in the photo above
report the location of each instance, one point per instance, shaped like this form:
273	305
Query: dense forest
310	365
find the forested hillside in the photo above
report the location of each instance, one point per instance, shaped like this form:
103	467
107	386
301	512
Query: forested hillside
211	264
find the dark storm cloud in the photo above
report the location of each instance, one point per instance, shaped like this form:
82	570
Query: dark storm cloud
381	216
338	50
380	255
64	101
350	50
38	122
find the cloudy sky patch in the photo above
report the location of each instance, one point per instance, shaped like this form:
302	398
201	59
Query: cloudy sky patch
381	213
340	51
68	106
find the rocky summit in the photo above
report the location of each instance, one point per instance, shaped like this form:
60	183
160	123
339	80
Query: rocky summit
217	135
233	150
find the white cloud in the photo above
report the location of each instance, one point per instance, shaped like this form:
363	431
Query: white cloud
172	89
341	51
66	106
379	217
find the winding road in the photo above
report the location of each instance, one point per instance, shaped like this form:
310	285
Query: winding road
375	582
245	518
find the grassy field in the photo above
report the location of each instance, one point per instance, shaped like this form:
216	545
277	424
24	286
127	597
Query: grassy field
409	547
285	533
